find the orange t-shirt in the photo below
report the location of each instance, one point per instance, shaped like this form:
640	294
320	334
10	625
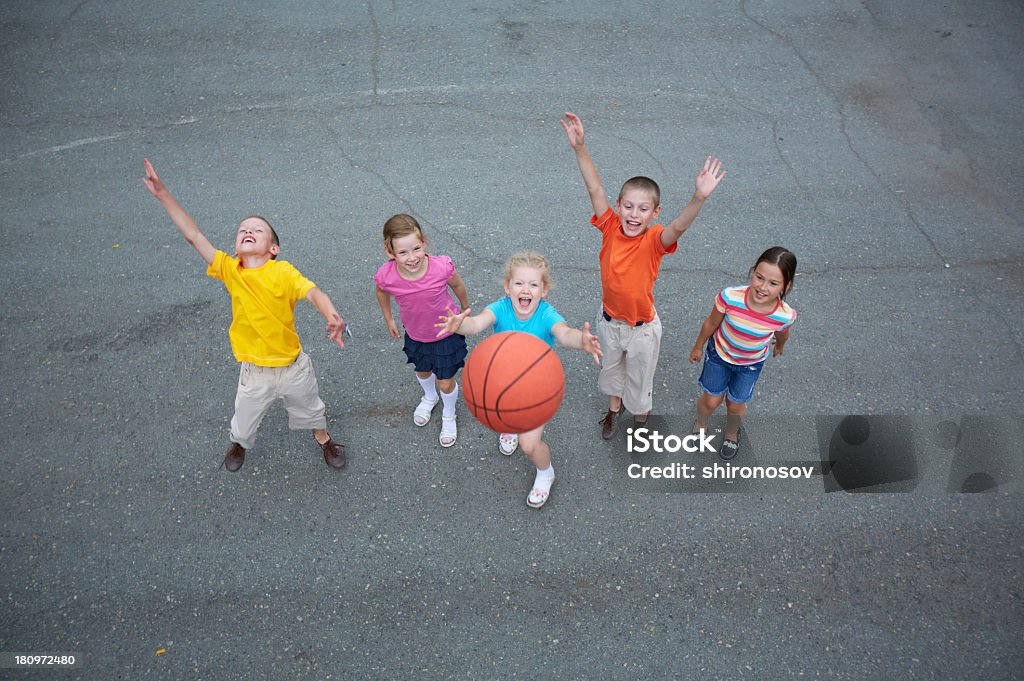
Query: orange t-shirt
629	268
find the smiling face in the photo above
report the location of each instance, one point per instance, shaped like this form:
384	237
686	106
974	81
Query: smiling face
525	287
255	239
410	255
766	287
637	209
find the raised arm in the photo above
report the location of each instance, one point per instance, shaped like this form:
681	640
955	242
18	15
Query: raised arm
574	130
335	324
464	324
707	180
182	220
581	339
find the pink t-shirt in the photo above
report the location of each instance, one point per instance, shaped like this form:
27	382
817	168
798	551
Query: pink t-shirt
420	302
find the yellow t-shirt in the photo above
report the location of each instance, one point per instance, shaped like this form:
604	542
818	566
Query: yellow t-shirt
262	309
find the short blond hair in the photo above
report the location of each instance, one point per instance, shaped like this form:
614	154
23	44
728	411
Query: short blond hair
529	259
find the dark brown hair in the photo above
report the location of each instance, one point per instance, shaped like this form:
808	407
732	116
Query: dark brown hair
784	260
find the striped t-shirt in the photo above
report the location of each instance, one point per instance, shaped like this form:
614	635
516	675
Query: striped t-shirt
744	334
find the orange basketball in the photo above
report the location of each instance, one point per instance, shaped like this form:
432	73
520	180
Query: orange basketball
513	382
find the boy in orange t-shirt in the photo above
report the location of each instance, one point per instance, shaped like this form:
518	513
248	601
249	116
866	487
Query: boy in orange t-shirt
631	251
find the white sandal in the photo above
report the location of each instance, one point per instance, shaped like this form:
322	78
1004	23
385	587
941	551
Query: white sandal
421	416
508	443
449	431
539	497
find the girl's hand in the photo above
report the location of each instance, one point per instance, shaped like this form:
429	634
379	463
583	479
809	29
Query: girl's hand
574	129
695	354
393	328
450	322
336	329
590	344
709	177
777	350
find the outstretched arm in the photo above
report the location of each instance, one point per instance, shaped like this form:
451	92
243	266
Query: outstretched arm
574	130
707	180
713	321
581	339
182	220
335	324
464	324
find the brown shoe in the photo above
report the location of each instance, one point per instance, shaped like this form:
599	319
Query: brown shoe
234	457
640	420
334	454
610	423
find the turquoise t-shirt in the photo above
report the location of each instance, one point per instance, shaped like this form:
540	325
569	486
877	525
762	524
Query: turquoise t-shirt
539	324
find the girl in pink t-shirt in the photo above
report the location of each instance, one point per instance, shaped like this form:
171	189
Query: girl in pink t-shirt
419	283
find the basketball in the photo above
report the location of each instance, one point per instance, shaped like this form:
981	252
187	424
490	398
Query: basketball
513	382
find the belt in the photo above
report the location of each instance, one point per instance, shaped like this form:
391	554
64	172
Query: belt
608	318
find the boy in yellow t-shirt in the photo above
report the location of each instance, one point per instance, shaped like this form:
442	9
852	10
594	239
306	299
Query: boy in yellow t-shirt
631	251
263	293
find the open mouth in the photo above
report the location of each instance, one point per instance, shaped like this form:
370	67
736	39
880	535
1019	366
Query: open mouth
524	303
633	224
248	240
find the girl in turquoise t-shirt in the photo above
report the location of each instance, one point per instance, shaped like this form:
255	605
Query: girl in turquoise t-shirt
527	282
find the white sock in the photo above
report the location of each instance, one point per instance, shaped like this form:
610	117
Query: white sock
448	401
545	478
429	388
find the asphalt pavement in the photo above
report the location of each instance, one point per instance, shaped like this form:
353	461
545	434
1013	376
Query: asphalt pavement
878	141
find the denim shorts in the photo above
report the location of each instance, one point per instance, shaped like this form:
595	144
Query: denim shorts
719	376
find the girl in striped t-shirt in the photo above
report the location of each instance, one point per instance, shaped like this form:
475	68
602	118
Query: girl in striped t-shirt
737	335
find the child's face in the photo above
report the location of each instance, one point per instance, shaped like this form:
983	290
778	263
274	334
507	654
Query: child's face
637	211
525	288
409	254
253	239
766	284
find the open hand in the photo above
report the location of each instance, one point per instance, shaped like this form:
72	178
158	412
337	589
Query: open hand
590	344
574	129
336	329
151	180
451	322
709	177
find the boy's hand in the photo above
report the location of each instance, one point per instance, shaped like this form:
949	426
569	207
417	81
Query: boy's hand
336	329
574	129
709	177
695	354
450	322
152	181
590	344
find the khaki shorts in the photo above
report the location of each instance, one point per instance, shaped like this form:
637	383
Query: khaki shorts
258	387
630	357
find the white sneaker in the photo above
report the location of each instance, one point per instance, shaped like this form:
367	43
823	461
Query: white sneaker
508	443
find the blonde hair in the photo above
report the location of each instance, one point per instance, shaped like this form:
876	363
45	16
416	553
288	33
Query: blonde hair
529	259
401	225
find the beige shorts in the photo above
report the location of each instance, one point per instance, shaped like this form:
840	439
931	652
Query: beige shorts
258	387
630	357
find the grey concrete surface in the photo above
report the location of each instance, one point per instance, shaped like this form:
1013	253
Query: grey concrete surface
879	141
